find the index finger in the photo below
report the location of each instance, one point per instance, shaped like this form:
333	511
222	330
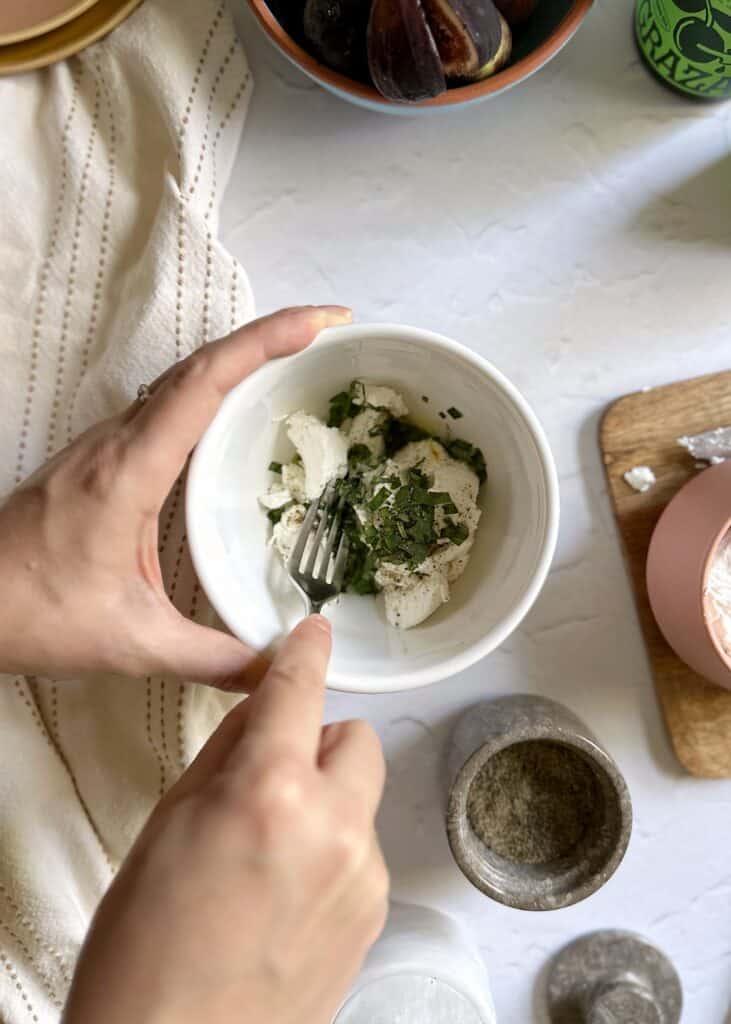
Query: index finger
285	711
172	421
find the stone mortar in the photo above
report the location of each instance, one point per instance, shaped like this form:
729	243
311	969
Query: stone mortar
492	726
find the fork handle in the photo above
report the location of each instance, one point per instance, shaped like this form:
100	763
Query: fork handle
314	607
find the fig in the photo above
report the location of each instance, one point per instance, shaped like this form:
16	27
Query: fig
516	12
416	46
402	55
336	33
468	34
502	56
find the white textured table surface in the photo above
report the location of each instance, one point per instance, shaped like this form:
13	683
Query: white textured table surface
577	232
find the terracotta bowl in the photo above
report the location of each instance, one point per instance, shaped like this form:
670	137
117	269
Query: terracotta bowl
550	27
681	552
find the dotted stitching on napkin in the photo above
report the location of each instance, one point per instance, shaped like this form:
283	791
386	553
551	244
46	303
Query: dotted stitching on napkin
71	284
62	758
219	132
153	745
179	726
196	79
103	244
205	318
234	295
42	977
45	271
38	939
175	497
182	689
209	112
163	730
14	977
173	504
51	726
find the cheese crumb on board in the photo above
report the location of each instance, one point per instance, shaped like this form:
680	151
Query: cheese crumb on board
640	478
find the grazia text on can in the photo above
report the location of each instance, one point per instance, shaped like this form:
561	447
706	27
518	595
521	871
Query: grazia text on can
687	44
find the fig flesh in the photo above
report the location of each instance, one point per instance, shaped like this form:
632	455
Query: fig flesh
402	55
468	34
336	33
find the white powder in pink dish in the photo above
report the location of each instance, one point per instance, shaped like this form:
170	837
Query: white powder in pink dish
718	594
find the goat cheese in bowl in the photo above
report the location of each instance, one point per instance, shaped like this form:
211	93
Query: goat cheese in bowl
511	545
409	499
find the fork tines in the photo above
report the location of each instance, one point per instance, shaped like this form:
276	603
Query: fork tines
320	540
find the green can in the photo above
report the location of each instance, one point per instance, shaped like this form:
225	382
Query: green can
687	44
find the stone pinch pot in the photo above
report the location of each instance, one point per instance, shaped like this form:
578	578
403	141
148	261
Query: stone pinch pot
494	725
681	553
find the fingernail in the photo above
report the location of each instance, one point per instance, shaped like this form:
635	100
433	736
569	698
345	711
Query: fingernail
340	314
321	622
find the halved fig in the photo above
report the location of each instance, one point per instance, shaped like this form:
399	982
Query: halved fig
402	55
468	35
503	54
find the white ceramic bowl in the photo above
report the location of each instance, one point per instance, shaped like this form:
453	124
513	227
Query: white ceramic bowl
228	531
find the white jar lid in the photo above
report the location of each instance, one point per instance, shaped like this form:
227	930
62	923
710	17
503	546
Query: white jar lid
408	999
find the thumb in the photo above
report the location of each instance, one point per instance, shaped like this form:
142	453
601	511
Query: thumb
205	655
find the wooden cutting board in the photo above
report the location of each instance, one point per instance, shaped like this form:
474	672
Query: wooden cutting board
641	430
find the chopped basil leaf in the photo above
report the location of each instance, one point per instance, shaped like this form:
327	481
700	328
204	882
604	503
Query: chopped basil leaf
457	533
275	514
346	404
438	498
455	413
275	467
359	453
360	569
463	451
379	498
339	409
401	432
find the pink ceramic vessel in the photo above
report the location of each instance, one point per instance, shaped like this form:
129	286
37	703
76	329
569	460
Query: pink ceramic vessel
682	550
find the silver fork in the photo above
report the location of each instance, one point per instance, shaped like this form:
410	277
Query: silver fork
317	563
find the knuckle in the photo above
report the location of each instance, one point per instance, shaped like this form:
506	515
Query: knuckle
223	800
192	368
99	467
372	901
377	886
277	797
349	844
292	678
34	495
218	811
376	921
380	884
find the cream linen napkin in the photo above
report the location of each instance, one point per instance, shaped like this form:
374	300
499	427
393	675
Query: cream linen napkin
113	167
